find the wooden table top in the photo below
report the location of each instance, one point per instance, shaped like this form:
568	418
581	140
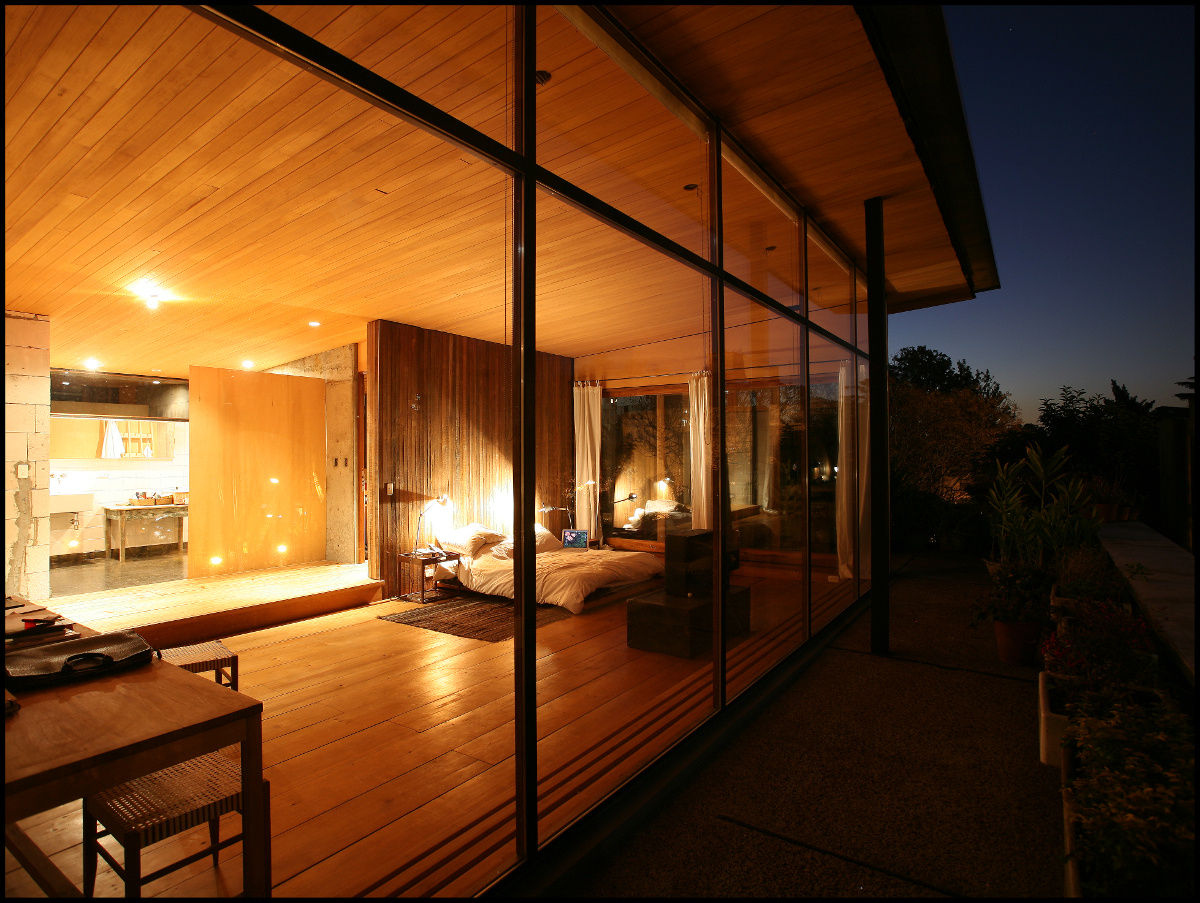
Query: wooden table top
63	730
143	507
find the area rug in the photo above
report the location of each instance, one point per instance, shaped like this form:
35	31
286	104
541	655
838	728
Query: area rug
475	619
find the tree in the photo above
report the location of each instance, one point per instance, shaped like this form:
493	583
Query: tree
946	418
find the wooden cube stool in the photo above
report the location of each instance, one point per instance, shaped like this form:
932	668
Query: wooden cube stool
212	656
157	806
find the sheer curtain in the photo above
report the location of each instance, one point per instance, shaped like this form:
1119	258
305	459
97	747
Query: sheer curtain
847	510
698	420
864	473
587	459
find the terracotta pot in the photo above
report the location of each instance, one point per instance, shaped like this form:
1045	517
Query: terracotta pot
1017	641
1051	723
1105	511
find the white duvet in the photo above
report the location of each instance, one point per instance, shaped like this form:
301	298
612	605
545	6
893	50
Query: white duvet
563	578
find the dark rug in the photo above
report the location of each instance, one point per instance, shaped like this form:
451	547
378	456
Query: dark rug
475	619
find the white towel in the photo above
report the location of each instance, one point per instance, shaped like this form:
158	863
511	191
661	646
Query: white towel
113	448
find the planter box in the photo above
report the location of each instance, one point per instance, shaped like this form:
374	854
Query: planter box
1017	641
1071	886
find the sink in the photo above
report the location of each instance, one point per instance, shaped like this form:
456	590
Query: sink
64	504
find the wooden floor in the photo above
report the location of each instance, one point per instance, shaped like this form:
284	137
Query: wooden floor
389	748
180	612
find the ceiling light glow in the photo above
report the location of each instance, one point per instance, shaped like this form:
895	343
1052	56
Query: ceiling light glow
92	364
314	322
149	291
247	365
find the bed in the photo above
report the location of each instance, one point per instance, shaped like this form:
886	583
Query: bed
563	577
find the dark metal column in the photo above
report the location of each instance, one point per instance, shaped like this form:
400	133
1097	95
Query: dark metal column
881	512
524	352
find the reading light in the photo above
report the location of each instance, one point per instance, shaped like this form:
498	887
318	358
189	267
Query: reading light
443	500
628	498
281	548
156	382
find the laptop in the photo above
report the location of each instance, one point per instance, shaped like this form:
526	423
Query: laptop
575	540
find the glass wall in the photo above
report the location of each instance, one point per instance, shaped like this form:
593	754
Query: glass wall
628	671
762	243
765	438
834	502
830	287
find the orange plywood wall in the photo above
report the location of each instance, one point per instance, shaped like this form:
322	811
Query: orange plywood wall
257	478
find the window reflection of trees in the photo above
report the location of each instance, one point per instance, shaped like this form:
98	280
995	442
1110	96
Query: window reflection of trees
644	449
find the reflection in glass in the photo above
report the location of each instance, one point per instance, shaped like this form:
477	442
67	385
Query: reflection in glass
762	244
834	503
765	437
830	303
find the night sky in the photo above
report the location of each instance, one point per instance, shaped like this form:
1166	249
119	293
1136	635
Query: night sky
1082	123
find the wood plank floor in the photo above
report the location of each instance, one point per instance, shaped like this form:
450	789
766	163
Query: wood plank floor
389	748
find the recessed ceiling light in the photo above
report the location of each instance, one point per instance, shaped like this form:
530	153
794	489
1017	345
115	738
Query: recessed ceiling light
92	364
157	382
314	322
149	291
247	365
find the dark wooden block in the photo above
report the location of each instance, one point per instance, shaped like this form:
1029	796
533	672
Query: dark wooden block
688	563
682	625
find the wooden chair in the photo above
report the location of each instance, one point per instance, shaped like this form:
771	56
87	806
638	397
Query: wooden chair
148	809
213	656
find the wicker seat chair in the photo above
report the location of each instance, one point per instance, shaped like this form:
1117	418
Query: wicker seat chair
211	656
156	806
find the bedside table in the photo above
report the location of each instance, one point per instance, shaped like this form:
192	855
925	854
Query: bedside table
422	559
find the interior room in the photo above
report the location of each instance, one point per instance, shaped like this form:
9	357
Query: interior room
599	374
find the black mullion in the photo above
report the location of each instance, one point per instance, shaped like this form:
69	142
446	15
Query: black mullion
524	351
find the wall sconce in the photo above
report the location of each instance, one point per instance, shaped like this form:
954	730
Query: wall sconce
570	517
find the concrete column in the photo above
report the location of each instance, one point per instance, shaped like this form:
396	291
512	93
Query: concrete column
26	455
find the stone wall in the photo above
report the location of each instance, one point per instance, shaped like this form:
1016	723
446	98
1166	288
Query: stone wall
26	455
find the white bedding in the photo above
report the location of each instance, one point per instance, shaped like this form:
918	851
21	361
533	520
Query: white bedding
563	577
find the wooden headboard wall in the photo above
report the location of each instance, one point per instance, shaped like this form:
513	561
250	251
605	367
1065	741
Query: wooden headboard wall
439	420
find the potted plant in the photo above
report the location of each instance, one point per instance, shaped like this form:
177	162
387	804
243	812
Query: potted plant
1018	606
1129	800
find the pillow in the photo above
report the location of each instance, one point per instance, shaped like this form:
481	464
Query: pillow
468	540
543	541
662	506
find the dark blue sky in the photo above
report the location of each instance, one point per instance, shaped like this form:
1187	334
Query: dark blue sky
1082	122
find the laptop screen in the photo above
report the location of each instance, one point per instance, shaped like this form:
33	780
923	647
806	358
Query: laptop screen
575	539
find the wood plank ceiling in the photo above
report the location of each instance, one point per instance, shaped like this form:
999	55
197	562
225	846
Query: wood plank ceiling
145	141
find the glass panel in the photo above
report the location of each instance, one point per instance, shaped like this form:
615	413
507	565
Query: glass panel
251	190
765	437
627	672
762	244
864	476
860	310
830	303
834	504
603	131
455	57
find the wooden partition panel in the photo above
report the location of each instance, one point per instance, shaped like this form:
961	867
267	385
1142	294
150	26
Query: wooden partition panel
439	420
257	471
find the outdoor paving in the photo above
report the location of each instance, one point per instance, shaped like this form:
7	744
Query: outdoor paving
912	774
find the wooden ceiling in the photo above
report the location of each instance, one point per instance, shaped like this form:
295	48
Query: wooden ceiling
149	142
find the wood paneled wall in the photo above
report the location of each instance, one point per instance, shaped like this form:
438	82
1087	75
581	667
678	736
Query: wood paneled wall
439	420
257	466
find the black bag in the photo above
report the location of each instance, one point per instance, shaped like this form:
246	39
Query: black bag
70	660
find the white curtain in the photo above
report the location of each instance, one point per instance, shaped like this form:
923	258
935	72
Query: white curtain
864	472
844	482
113	447
698	420
587	459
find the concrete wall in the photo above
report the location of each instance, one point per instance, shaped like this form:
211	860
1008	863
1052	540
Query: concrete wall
337	367
26	455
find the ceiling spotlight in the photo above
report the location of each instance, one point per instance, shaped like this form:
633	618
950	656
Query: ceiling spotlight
157	382
149	291
247	365
541	76
314	322
92	364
